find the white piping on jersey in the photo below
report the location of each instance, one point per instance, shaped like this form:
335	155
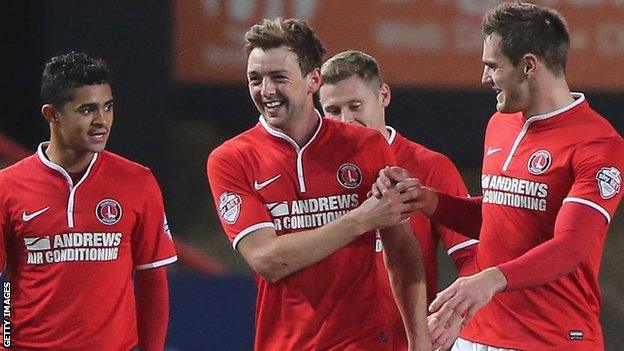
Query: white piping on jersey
462	245
250	230
157	264
70	182
579	98
591	204
392	136
281	135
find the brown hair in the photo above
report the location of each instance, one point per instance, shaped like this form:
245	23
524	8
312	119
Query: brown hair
347	63
295	34
528	28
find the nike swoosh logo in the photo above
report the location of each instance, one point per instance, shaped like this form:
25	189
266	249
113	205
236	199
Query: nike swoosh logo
259	186
492	151
27	217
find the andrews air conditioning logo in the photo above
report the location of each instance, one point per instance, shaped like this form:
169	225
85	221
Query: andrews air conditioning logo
108	211
38	243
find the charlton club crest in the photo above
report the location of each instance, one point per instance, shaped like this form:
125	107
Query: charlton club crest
349	175
539	162
108	211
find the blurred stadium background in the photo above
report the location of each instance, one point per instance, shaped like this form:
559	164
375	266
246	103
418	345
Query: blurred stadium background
180	91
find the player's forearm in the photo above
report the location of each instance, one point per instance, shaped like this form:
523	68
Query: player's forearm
460	214
290	253
152	304
577	229
466	260
403	259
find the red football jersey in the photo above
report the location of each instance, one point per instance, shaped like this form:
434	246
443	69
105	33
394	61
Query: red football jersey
71	250
531	167
437	171
262	178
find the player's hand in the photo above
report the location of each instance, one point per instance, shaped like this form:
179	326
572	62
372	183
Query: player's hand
389	210
420	198
444	335
387	178
467	295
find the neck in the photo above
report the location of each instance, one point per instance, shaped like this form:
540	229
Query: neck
385	132
302	130
71	160
549	95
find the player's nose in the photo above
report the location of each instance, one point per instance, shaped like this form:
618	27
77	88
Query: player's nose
347	117
268	87
486	77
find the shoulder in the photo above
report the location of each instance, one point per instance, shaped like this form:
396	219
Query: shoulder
18	169
347	132
122	167
240	144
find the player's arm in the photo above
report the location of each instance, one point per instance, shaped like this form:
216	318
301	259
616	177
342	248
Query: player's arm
250	227
403	259
445	177
458	213
577	228
274	257
152	250
152	304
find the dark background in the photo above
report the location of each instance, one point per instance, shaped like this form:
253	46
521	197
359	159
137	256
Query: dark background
171	128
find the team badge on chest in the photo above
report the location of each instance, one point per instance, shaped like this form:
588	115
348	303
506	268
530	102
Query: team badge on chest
108	211
349	175
609	181
539	162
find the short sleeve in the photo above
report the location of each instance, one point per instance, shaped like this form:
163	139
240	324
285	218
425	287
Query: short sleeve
152	244
238	207
597	168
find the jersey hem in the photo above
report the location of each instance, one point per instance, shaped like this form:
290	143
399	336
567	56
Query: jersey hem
243	233
157	263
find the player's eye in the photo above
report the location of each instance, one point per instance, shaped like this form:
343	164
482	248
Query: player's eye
86	110
109	107
254	81
332	112
355	107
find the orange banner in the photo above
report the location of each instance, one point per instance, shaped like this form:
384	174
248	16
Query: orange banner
434	43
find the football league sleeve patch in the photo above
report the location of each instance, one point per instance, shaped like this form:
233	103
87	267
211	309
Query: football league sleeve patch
598	176
238	207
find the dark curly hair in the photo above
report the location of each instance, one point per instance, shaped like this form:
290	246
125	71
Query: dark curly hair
292	33
64	73
527	28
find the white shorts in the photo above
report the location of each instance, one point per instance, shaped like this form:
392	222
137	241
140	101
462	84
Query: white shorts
465	345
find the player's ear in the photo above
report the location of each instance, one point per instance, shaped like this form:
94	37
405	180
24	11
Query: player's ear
314	80
49	113
385	93
529	62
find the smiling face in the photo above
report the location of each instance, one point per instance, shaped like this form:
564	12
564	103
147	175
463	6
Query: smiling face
278	88
83	124
509	81
353	100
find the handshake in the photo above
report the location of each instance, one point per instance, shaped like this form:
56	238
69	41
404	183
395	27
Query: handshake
394	197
